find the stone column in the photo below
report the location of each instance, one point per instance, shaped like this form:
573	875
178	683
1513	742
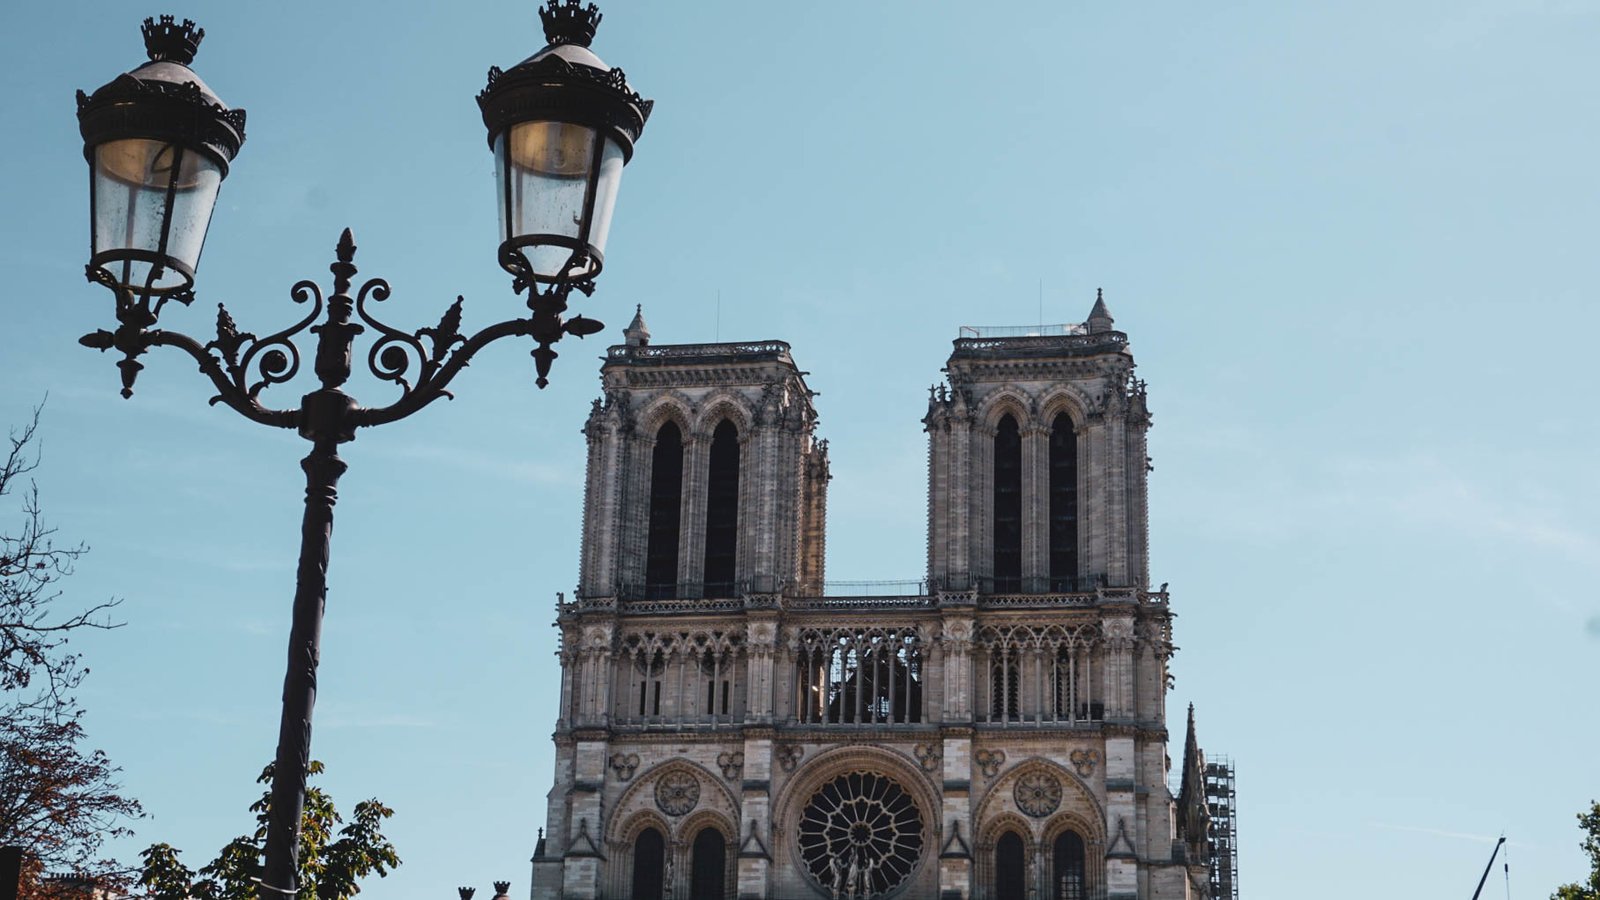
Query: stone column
755	813
1116	527
1035	505
692	513
955	852
956	662
760	686
581	863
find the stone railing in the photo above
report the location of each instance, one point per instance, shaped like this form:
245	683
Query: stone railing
748	350
872	602
1043	345
1003	601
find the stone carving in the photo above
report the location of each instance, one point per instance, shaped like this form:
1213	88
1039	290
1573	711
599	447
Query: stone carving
1084	761
731	763
761	634
789	756
927	755
597	637
624	764
860	836
958	631
989	761
1038	793
677	793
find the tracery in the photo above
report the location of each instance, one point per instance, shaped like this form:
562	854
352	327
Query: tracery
859	675
1040	673
680	677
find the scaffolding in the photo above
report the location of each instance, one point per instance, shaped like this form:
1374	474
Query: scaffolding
1220	800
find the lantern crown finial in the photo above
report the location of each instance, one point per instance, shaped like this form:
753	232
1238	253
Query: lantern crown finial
569	22
168	41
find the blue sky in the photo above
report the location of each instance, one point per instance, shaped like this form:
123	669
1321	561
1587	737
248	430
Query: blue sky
1353	245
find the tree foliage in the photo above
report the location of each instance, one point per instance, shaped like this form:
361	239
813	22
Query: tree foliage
58	801
1590	888
332	863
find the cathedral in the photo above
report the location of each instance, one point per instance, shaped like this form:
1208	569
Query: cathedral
730	726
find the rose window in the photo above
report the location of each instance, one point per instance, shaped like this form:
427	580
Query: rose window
860	836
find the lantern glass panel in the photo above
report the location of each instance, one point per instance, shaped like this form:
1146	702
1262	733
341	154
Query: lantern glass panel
605	195
152	205
545	196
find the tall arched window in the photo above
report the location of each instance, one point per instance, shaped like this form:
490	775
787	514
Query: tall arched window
649	852
1010	875
1005	687
666	504
1069	881
1007	505
1063	505
722	511
707	868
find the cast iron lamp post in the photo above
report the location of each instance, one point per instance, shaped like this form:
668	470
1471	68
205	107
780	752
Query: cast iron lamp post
159	143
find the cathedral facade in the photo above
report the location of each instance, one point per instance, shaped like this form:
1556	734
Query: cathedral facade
730	727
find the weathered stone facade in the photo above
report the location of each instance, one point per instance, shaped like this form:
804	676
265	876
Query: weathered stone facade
999	733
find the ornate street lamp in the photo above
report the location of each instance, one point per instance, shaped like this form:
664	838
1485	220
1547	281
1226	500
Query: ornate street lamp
159	143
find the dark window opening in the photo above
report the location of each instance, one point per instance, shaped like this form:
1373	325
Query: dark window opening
878	681
1010	874
1005	684
648	855
722	511
707	869
1063	505
1070	881
666	502
1007	506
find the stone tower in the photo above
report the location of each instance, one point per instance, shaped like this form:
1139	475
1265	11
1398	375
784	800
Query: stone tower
731	728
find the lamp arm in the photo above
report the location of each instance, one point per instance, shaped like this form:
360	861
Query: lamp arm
229	391
435	377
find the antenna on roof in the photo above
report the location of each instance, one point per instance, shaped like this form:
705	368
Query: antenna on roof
718	333
1041	303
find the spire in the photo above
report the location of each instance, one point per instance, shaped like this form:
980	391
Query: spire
637	334
1099	317
1194	818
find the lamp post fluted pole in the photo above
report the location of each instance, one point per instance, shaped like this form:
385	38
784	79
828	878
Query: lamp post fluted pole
159	142
323	415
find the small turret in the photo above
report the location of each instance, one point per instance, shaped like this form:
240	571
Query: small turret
637	334
1099	317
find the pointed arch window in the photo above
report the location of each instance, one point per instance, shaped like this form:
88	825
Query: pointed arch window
1070	880
1005	689
1063	504
708	866
722	511
649	853
1007	506
666	507
1010	872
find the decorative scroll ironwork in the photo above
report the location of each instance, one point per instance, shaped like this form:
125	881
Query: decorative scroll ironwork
861	836
421	363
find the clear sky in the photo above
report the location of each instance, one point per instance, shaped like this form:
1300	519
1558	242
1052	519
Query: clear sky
1354	245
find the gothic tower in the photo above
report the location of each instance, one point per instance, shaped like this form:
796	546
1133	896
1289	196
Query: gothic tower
730	727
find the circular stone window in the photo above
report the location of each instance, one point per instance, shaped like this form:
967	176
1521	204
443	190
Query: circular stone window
860	836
